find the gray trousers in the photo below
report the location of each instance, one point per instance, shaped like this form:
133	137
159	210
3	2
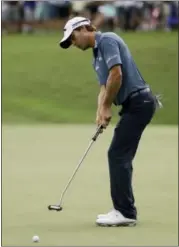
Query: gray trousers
136	114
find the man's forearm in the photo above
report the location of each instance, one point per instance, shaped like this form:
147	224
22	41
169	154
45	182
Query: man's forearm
101	97
112	88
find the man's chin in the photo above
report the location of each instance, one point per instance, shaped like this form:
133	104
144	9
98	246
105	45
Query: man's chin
85	48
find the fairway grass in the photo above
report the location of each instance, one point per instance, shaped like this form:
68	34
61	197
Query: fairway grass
37	162
44	84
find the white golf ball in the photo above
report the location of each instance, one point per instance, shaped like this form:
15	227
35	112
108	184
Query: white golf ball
35	239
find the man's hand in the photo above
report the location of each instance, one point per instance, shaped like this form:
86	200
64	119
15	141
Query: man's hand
104	116
98	120
98	117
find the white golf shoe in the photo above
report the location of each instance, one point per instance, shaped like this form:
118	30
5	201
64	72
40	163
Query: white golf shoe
105	215
114	218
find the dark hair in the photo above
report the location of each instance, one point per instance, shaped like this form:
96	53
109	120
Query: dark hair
90	28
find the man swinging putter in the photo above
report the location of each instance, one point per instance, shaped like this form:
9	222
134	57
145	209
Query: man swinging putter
122	84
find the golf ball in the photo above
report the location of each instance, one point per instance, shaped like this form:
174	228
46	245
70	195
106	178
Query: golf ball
35	239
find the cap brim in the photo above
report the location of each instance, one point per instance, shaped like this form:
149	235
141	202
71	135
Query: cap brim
65	42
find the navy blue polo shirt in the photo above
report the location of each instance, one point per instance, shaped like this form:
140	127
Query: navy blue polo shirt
111	50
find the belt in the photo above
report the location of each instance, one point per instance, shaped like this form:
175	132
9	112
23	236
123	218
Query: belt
133	95
136	93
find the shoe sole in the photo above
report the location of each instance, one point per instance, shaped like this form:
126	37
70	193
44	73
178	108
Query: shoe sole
118	225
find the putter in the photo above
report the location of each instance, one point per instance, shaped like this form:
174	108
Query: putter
58	207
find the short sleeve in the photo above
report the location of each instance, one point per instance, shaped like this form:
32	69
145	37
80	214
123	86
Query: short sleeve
110	52
99	76
101	80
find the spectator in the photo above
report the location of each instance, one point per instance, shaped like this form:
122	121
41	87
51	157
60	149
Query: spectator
158	18
91	9
4	9
173	17
42	11
106	17
10	15
29	15
129	14
59	9
78	8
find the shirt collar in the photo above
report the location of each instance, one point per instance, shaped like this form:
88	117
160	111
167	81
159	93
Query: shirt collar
97	38
95	49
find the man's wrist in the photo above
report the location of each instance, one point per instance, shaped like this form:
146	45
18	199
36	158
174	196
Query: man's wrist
107	103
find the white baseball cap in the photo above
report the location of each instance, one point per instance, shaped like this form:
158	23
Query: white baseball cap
70	26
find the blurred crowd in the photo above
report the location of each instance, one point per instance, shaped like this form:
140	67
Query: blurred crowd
27	16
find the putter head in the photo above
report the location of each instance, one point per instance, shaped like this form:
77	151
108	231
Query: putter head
55	207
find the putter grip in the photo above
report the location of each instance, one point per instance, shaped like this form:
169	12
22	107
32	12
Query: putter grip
97	133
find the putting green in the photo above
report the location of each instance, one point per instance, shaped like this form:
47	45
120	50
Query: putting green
37	162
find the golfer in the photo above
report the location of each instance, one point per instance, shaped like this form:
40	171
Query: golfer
121	83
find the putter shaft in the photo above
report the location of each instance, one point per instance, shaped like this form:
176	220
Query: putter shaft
57	206
75	171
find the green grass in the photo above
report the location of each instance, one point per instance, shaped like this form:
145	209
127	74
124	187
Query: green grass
37	161
44	84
